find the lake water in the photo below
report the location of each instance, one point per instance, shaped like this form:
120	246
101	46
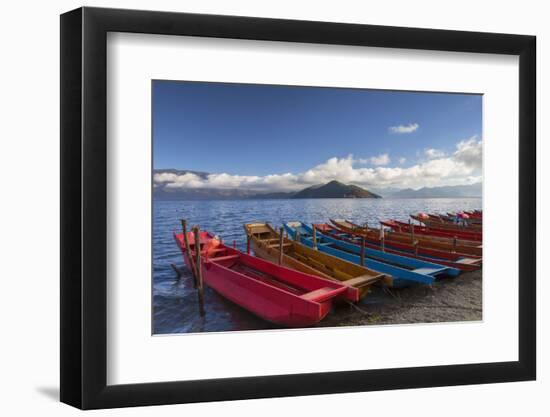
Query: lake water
175	301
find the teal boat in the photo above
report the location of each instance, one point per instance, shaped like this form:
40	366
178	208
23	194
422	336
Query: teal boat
405	271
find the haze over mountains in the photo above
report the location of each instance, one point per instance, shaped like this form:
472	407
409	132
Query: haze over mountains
453	191
331	189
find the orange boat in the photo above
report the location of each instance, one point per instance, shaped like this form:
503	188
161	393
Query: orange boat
265	242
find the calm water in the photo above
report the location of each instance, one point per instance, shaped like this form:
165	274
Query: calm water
175	301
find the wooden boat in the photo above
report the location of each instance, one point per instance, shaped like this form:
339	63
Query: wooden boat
474	214
440	257
265	242
473	218
429	231
405	271
273	292
451	218
426	242
438	223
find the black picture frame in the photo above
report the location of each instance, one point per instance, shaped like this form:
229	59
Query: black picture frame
84	207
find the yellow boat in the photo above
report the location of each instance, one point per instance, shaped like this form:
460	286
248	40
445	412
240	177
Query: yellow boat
265	242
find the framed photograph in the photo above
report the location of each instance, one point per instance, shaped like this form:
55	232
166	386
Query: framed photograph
259	208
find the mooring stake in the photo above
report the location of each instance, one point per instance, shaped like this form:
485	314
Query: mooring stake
192	265
382	238
200	287
314	237
281	240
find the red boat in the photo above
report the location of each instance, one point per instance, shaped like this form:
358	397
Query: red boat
429	231
437	222
274	293
476	214
443	258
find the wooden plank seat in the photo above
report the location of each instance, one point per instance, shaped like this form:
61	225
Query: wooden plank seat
224	258
317	293
285	245
363	280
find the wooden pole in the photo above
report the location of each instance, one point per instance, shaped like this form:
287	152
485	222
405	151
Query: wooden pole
281	240
382	238
416	248
234	244
362	250
297	236
192	265
314	237
200	288
248	244
454	244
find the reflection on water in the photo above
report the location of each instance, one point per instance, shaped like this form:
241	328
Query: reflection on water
175	301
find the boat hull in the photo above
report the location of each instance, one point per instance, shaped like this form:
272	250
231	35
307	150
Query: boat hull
272	292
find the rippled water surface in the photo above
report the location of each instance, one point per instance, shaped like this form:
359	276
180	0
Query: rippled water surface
175	301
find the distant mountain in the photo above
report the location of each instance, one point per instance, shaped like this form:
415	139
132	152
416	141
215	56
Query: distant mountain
451	191
384	192
335	189
160	193
273	196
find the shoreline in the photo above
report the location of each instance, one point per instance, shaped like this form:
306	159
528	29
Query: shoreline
447	300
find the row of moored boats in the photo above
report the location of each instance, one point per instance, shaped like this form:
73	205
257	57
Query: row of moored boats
297	271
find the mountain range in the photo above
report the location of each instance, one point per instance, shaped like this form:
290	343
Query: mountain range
451	191
331	189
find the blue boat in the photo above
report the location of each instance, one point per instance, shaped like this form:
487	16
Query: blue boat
405	271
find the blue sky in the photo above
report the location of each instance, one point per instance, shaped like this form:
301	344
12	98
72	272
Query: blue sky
244	130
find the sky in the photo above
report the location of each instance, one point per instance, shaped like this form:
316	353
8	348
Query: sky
280	138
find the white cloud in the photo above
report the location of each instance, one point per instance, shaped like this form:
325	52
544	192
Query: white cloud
402	160
461	167
383	159
434	153
379	160
469	152
411	127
